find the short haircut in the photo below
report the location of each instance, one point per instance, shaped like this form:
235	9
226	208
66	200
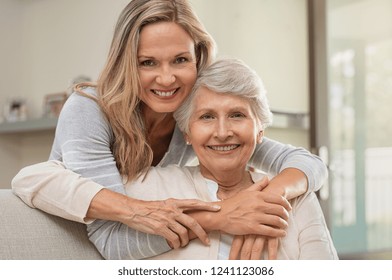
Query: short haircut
229	76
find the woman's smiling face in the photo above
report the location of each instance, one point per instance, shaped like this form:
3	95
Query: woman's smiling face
167	66
223	131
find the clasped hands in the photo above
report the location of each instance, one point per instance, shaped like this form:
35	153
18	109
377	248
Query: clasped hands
258	220
253	216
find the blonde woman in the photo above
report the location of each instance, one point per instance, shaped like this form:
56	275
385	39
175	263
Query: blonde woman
124	124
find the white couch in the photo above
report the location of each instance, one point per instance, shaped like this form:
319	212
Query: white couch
27	234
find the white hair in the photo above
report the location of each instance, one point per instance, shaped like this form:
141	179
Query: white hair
229	76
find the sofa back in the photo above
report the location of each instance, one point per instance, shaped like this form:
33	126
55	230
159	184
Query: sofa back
30	234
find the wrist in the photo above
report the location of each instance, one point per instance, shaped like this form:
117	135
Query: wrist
208	220
109	205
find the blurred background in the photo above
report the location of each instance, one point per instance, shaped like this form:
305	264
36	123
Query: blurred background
326	64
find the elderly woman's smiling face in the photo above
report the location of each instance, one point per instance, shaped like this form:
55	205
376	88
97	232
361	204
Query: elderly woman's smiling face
223	132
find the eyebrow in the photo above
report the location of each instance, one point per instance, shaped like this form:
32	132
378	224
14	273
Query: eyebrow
210	109
177	55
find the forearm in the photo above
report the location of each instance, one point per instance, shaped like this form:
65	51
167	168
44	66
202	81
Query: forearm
274	157
108	205
290	183
140	223
117	241
50	187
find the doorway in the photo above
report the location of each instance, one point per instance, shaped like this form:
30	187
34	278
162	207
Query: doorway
353	122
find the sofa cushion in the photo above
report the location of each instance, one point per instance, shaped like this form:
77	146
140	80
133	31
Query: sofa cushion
27	233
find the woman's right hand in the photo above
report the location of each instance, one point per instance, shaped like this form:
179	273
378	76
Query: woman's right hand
251	246
254	212
167	219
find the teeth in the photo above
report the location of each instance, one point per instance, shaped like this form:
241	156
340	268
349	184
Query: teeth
164	93
224	148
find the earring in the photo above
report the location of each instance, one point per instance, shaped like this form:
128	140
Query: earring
188	143
260	136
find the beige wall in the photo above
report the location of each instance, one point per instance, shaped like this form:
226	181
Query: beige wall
271	36
45	44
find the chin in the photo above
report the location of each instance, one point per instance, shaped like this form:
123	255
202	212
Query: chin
165	109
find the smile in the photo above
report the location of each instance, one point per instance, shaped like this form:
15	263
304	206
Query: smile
224	148
164	93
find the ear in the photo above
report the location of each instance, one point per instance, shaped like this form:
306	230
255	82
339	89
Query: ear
260	136
187	139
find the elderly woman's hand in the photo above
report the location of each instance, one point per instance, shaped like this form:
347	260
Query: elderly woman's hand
167	218
251	247
254	212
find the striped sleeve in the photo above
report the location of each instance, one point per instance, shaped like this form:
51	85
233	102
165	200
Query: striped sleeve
83	139
116	241
273	157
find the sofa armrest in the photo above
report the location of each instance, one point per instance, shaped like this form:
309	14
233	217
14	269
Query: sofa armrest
27	233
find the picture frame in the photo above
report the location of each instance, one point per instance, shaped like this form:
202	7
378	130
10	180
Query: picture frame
53	103
15	110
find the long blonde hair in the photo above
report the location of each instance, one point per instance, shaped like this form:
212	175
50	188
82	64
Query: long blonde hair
118	85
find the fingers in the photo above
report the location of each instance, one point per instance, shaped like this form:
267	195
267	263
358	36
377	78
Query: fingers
236	246
261	222
189	222
271	198
247	247
273	220
253	247
166	218
269	231
271	204
277	199
258	248
181	234
173	240
259	185
176	231
193	226
273	244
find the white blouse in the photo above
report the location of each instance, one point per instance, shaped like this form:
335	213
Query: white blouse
307	234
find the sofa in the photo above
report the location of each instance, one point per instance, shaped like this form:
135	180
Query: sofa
30	234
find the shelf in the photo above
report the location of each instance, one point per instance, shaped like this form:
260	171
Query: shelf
290	120
280	120
28	126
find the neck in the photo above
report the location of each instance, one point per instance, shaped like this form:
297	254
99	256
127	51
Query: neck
230	182
155	120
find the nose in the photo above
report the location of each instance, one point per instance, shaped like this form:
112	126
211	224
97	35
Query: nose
223	130
166	76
